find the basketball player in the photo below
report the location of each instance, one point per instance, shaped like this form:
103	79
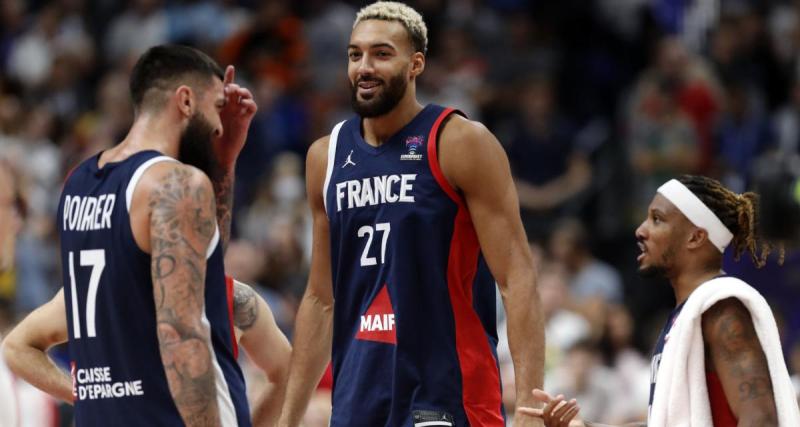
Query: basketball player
406	202
150	331
254	326
684	245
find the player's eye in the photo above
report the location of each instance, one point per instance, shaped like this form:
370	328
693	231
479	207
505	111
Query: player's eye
354	56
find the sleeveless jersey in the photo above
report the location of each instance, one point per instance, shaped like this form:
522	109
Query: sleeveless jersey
117	374
414	332
721	412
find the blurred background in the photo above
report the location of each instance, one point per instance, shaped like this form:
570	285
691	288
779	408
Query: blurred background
597	102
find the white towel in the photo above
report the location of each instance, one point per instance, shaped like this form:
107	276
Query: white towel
681	395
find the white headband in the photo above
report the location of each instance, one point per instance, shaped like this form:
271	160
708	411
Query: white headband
697	212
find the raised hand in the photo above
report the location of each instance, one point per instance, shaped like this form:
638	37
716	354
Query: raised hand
557	411
239	109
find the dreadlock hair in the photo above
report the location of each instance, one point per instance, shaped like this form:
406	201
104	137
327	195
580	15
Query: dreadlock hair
739	212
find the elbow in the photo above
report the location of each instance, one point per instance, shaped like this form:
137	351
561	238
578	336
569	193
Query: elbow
10	351
279	373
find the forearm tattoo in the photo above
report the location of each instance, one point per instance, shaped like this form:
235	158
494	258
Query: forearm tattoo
181	227
223	192
245	306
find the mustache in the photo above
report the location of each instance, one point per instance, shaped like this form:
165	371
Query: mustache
369	79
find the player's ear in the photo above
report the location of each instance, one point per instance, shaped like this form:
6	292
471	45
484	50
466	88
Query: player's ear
417	64
697	238
185	100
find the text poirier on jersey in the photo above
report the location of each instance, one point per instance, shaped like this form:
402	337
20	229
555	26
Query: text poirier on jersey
375	190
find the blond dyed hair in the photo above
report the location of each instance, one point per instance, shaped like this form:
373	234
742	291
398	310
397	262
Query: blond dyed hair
398	12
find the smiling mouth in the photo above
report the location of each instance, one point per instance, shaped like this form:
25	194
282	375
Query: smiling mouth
368	87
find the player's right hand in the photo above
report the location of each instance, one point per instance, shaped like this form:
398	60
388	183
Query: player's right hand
557	411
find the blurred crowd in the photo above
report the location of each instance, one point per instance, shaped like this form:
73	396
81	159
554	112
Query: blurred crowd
597	102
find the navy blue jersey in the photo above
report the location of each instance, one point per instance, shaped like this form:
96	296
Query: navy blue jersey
117	373
655	361
414	332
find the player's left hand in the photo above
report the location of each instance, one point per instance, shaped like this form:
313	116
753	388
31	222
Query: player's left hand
239	109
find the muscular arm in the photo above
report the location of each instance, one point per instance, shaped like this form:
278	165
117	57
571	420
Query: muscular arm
735	354
267	347
182	223
314	325
26	345
467	147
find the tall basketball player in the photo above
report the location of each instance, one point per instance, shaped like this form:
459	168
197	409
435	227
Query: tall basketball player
410	205
742	378
149	325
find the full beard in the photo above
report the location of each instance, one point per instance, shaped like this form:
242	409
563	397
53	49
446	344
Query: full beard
195	146
383	102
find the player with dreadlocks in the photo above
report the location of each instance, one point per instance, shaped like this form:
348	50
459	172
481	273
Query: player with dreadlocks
718	360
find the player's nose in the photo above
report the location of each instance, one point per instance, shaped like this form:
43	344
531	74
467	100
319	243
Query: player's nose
641	231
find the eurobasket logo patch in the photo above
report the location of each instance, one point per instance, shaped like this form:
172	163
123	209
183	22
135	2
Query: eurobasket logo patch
414	146
377	324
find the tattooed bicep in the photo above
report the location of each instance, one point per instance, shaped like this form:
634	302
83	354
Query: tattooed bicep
245	306
738	358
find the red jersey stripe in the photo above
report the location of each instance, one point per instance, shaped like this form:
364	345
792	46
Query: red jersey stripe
433	158
229	293
480	379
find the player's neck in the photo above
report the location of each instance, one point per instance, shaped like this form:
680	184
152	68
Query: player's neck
148	132
689	279
377	130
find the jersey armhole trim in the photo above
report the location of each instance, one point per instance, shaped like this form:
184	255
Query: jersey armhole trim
331	158
137	175
433	157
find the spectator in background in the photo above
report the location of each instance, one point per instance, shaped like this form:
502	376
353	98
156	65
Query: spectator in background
102	127
786	122
675	96
589	278
32	151
142	25
21	405
11	210
456	75
628	364
593	284
549	170
582	376
742	135
662	140
280	202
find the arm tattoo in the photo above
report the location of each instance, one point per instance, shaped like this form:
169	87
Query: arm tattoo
738	356
181	227
223	192
738	348
245	306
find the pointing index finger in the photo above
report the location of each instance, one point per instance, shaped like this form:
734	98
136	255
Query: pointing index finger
229	75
